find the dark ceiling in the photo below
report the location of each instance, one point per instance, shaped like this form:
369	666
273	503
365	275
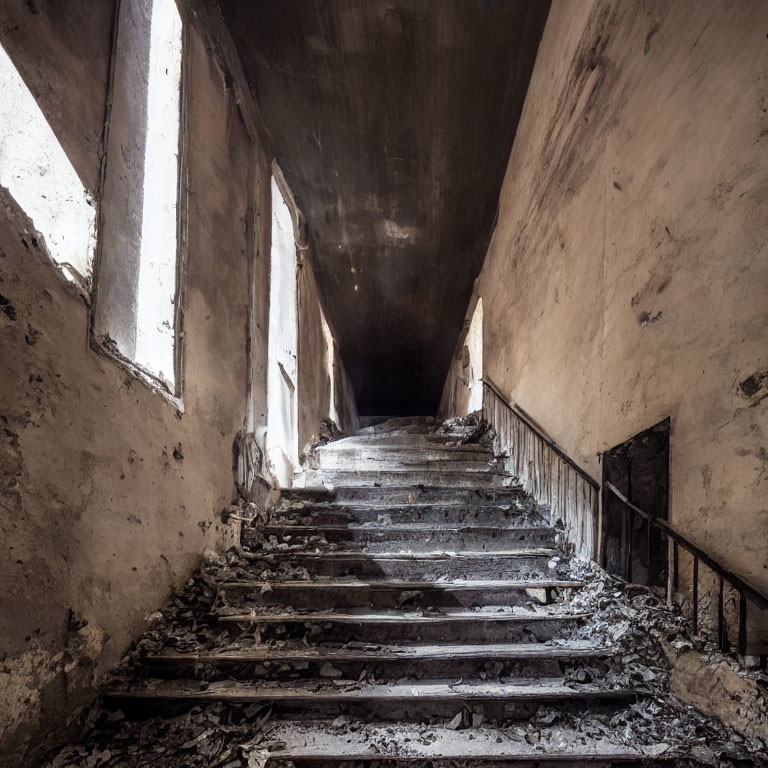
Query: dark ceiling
392	121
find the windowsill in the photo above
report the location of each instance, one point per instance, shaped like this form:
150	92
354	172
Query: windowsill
138	373
77	287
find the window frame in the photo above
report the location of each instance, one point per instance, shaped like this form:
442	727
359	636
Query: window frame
175	396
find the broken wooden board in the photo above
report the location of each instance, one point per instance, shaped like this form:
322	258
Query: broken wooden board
314	692
565	651
400	617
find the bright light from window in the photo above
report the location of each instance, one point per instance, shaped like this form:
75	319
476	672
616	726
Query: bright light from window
329	360
282	413
37	172
475	344
155	332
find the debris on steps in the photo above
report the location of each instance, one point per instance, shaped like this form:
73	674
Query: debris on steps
430	626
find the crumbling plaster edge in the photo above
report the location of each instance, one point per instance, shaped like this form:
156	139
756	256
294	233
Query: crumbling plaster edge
74	288
712	686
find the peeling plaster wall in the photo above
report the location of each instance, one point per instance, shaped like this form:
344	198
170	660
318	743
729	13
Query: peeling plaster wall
314	384
626	278
108	496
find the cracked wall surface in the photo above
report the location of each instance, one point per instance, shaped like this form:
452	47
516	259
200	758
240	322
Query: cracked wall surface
109	496
626	278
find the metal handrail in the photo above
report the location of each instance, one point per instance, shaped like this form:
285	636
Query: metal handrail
747	593
548	440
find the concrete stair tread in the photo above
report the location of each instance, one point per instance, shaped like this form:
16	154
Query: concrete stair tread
316	740
329	582
435	477
351	506
394	528
367	616
436	556
315	691
372	653
412	489
437	466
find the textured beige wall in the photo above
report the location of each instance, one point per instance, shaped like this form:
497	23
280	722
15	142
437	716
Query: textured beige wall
627	279
108	496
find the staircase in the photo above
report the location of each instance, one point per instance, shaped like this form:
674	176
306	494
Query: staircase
417	610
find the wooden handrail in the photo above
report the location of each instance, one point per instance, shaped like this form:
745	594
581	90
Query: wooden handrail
537	430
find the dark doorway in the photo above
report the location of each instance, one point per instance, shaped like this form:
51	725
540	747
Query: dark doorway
639	468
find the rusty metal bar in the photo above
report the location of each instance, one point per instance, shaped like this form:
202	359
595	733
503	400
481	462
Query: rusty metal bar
743	587
722	631
676	565
695	595
742	624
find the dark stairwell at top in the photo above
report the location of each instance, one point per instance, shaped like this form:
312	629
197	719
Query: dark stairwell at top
419	611
392	121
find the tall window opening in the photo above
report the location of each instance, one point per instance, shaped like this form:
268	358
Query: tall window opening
36	171
475	346
137	278
330	367
282	413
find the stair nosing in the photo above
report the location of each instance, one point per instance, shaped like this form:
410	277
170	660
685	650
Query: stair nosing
451	584
540	689
398	617
389	652
379	527
404	556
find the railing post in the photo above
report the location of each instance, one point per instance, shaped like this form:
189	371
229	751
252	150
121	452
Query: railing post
722	630
676	567
695	595
742	624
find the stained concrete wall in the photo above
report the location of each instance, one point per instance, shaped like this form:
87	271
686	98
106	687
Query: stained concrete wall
314	377
108	495
626	278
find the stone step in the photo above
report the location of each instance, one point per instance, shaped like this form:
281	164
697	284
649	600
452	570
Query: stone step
438	477
506	513
500	624
414	537
404	451
354	461
525	562
329	744
566	650
320	695
403	494
353	661
320	594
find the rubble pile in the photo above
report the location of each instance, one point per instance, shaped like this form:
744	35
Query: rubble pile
627	618
358	607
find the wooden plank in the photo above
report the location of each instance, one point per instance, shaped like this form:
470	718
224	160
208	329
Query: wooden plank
399	528
378	653
544	689
455	585
351	555
400	617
